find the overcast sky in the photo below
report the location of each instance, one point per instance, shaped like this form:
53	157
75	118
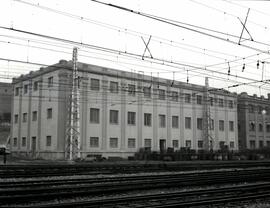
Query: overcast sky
177	52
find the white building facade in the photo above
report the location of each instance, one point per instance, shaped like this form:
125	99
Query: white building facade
120	112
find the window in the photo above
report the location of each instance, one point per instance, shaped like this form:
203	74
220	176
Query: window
268	143
49	113
212	124
15	142
34	115
175	143
251	108
131	118
50	81
49	141
230	104
188	122
199	99
23	141
17	91
221	125
161	94
221	144
94	84
231	125
260	109
147	92
220	102
24	117
113	116
211	101
260	127
114	87
113	142
131	143
147	119
16	117
199	123
147	143
261	144
188	143
268	128
200	143
131	90
94	115
25	89
231	145
252	144
174	96
35	85
175	121
251	126
94	142
187	98
162	121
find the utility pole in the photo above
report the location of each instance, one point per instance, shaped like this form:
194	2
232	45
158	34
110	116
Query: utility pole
73	139
207	124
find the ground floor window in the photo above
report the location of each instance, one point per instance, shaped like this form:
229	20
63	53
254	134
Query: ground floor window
113	142
94	142
131	143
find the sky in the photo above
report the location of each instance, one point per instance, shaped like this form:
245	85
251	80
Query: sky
183	51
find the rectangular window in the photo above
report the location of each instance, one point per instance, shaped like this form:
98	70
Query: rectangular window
50	81
230	104
131	118
15	142
147	119
113	142
211	99
23	141
199	123
221	144
113	116
25	89
220	102
34	115
212	124
199	99
200	143
161	94
49	113
251	108
231	125
162	121
16	118
187	98
17	91
94	84
35	86
147	143
261	143
94	115
131	143
268	144
268	128
174	96
24	117
147	92
175	143
114	87
94	142
49	141
252	144
260	127
231	145
188	143
251	126
221	125
175	121
260	109
131	89
187	122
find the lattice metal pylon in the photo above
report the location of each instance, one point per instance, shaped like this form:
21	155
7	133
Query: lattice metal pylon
73	139
207	137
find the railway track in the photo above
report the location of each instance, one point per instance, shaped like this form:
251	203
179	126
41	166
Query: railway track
45	190
49	170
